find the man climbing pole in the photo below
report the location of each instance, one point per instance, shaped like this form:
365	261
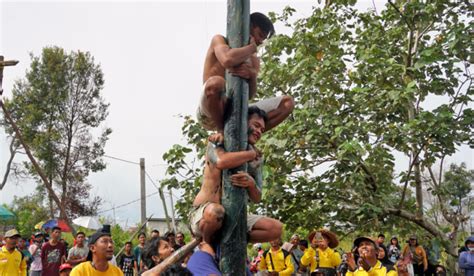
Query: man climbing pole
207	215
241	62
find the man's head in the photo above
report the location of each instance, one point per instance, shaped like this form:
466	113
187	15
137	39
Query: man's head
366	248
470	244
276	243
303	245
11	239
261	27
380	239
22	242
141	238
128	247
170	237
56	233
295	239
65	269
80	237
257	119
39	237
101	246
180	238
413	241
155	233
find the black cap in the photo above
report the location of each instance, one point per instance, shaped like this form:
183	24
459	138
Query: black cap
105	231
361	239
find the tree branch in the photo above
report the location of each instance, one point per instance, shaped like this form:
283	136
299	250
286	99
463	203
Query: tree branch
401	14
423	223
13	149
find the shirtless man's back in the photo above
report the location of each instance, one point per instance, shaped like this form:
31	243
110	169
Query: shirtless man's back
241	62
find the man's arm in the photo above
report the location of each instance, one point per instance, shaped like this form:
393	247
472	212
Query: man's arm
308	256
229	57
228	160
23	267
245	180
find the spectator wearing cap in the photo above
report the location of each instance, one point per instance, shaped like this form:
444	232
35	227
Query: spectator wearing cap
12	262
53	253
35	251
466	258
79	252
65	269
367	264
418	254
321	256
101	251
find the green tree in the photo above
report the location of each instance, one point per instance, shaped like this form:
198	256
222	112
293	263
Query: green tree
29	211
58	108
367	85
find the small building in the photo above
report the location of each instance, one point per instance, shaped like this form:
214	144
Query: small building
161	225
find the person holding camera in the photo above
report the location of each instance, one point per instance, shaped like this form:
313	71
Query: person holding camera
321	256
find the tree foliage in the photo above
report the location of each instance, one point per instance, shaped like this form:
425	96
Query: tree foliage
58	107
368	87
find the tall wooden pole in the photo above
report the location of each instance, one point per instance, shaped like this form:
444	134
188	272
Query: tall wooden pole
142	190
234	200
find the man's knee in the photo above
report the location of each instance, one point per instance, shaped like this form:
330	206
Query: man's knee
214	214
288	103
276	229
214	86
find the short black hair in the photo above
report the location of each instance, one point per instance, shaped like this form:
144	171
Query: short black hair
80	233
381	235
56	228
129	242
155	231
263	22
141	234
253	110
304	243
150	250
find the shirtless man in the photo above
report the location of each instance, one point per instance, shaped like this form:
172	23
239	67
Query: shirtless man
241	62
208	214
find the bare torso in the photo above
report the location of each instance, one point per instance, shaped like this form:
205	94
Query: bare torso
211	186
212	67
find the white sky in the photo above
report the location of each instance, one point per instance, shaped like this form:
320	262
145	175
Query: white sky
151	53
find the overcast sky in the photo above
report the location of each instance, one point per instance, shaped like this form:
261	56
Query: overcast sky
151	53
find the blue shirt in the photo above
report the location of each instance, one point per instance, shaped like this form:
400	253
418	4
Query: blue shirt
202	263
466	262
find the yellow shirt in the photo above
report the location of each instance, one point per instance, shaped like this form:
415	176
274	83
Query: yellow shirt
281	264
86	269
11	264
327	258
377	270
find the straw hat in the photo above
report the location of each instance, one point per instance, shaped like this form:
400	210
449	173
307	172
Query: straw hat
333	242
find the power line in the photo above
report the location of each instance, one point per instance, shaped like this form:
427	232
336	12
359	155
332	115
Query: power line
128	203
120	159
